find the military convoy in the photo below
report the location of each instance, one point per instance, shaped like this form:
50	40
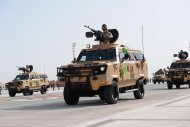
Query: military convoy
28	82
179	71
159	76
105	70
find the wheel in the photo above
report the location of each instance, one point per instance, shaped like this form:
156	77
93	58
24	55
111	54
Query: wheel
177	86
101	93
158	82
170	85
43	90
31	92
70	98
122	90
26	91
111	93
154	82
139	94
188	82
12	92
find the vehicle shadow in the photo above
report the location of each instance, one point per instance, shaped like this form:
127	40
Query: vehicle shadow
168	89
61	105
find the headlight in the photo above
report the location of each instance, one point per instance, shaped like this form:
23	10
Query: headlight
60	71
99	70
188	72
102	68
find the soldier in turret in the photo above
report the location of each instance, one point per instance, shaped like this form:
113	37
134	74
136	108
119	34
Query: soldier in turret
106	34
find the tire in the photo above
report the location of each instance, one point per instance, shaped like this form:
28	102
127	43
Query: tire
139	94
158	82
111	93
154	82
70	98
12	92
177	86
26	91
43	90
188	83
31	92
170	85
101	94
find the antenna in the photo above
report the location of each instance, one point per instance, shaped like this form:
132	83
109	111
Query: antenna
142	39
44	68
189	47
74	46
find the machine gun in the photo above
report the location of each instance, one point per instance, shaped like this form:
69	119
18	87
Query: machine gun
182	55
98	34
26	69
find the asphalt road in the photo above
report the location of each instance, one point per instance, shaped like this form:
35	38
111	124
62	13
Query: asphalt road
160	107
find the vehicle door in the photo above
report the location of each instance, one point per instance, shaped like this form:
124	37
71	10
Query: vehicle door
32	81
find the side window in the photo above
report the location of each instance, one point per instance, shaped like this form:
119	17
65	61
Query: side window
121	55
31	77
131	57
37	76
139	56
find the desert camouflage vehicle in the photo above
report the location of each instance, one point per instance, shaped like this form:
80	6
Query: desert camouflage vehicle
179	71
28	82
105	70
159	76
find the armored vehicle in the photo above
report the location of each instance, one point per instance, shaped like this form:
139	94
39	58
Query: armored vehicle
28	82
159	76
179	71
105	70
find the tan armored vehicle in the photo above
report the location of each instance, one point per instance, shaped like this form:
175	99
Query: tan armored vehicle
105	70
28	82
159	76
179	71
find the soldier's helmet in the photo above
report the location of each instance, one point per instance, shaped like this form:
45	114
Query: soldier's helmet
104	27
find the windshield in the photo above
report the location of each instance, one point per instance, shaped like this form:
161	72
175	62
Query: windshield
21	77
108	54
180	65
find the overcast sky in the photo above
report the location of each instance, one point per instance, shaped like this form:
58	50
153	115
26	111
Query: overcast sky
41	32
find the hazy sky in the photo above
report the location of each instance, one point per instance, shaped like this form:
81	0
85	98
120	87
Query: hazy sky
41	32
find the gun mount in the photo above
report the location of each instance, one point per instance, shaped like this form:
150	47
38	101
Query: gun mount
99	35
182	55
27	69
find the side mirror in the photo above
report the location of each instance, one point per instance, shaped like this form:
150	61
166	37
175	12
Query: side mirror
168	68
74	60
89	34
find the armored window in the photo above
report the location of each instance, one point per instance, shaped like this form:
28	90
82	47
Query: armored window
121	55
131	57
21	77
138	56
83	58
180	65
96	55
